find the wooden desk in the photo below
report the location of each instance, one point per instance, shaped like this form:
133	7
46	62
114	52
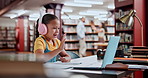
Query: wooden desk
134	61
101	73
87	62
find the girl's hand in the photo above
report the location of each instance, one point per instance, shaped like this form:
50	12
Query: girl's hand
62	45
65	59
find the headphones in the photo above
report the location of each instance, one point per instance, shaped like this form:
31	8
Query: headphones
42	29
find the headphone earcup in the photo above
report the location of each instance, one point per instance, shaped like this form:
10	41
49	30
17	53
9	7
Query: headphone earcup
42	29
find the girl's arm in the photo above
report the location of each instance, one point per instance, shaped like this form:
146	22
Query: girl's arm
49	55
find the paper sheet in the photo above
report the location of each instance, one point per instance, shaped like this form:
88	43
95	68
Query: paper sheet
90	61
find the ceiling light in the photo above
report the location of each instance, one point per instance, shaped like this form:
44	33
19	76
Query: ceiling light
22	12
17	13
71	17
102	19
89	2
98	11
111	7
8	15
67	10
35	15
93	12
77	4
75	16
87	14
65	17
62	12
13	16
32	19
100	16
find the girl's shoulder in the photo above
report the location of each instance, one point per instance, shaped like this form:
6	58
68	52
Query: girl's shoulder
57	40
39	39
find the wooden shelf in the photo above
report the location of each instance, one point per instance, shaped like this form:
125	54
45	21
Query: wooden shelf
91	41
88	25
71	41
8	40
123	3
126	43
70	32
110	25
109	33
75	41
70	25
94	33
130	30
78	49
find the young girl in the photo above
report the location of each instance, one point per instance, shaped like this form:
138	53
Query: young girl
47	44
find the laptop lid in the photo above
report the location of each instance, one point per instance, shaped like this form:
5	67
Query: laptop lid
110	51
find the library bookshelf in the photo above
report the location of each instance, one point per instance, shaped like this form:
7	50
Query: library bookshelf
7	38
130	35
91	37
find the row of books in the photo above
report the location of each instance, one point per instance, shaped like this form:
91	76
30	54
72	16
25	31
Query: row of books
120	13
7	37
87	21
88	29
121	26
71	46
125	37
91	37
71	37
70	21
111	22
76	46
9	28
5	42
87	37
69	29
73	29
89	45
124	47
110	29
108	36
7	45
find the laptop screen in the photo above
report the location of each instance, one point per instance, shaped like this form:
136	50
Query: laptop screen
110	51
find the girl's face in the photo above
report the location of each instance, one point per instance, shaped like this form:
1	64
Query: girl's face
53	29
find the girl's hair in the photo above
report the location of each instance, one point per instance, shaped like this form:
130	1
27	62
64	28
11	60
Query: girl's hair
47	18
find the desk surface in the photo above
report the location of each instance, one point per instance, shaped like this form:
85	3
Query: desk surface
99	73
88	73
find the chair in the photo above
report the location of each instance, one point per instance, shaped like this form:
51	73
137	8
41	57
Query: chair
72	55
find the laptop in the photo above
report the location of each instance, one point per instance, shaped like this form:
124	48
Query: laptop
109	54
